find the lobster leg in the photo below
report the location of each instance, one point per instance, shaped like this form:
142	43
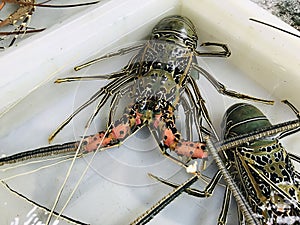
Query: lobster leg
207	192
225	206
178	189
192	191
22	28
114	75
225	53
199	103
105	92
222	89
23	13
120	52
160	205
294	157
113	107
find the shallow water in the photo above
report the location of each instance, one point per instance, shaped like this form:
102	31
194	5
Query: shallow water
116	188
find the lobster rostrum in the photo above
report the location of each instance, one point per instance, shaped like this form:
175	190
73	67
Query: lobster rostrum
261	170
157	79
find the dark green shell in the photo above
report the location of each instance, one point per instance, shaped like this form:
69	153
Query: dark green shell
171	27
243	118
262	169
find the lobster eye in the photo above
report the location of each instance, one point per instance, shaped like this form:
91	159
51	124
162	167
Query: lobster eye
156	36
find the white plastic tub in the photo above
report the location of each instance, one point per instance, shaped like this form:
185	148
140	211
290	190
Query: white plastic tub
264	63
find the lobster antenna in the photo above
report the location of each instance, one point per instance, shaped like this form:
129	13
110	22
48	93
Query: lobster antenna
273	26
